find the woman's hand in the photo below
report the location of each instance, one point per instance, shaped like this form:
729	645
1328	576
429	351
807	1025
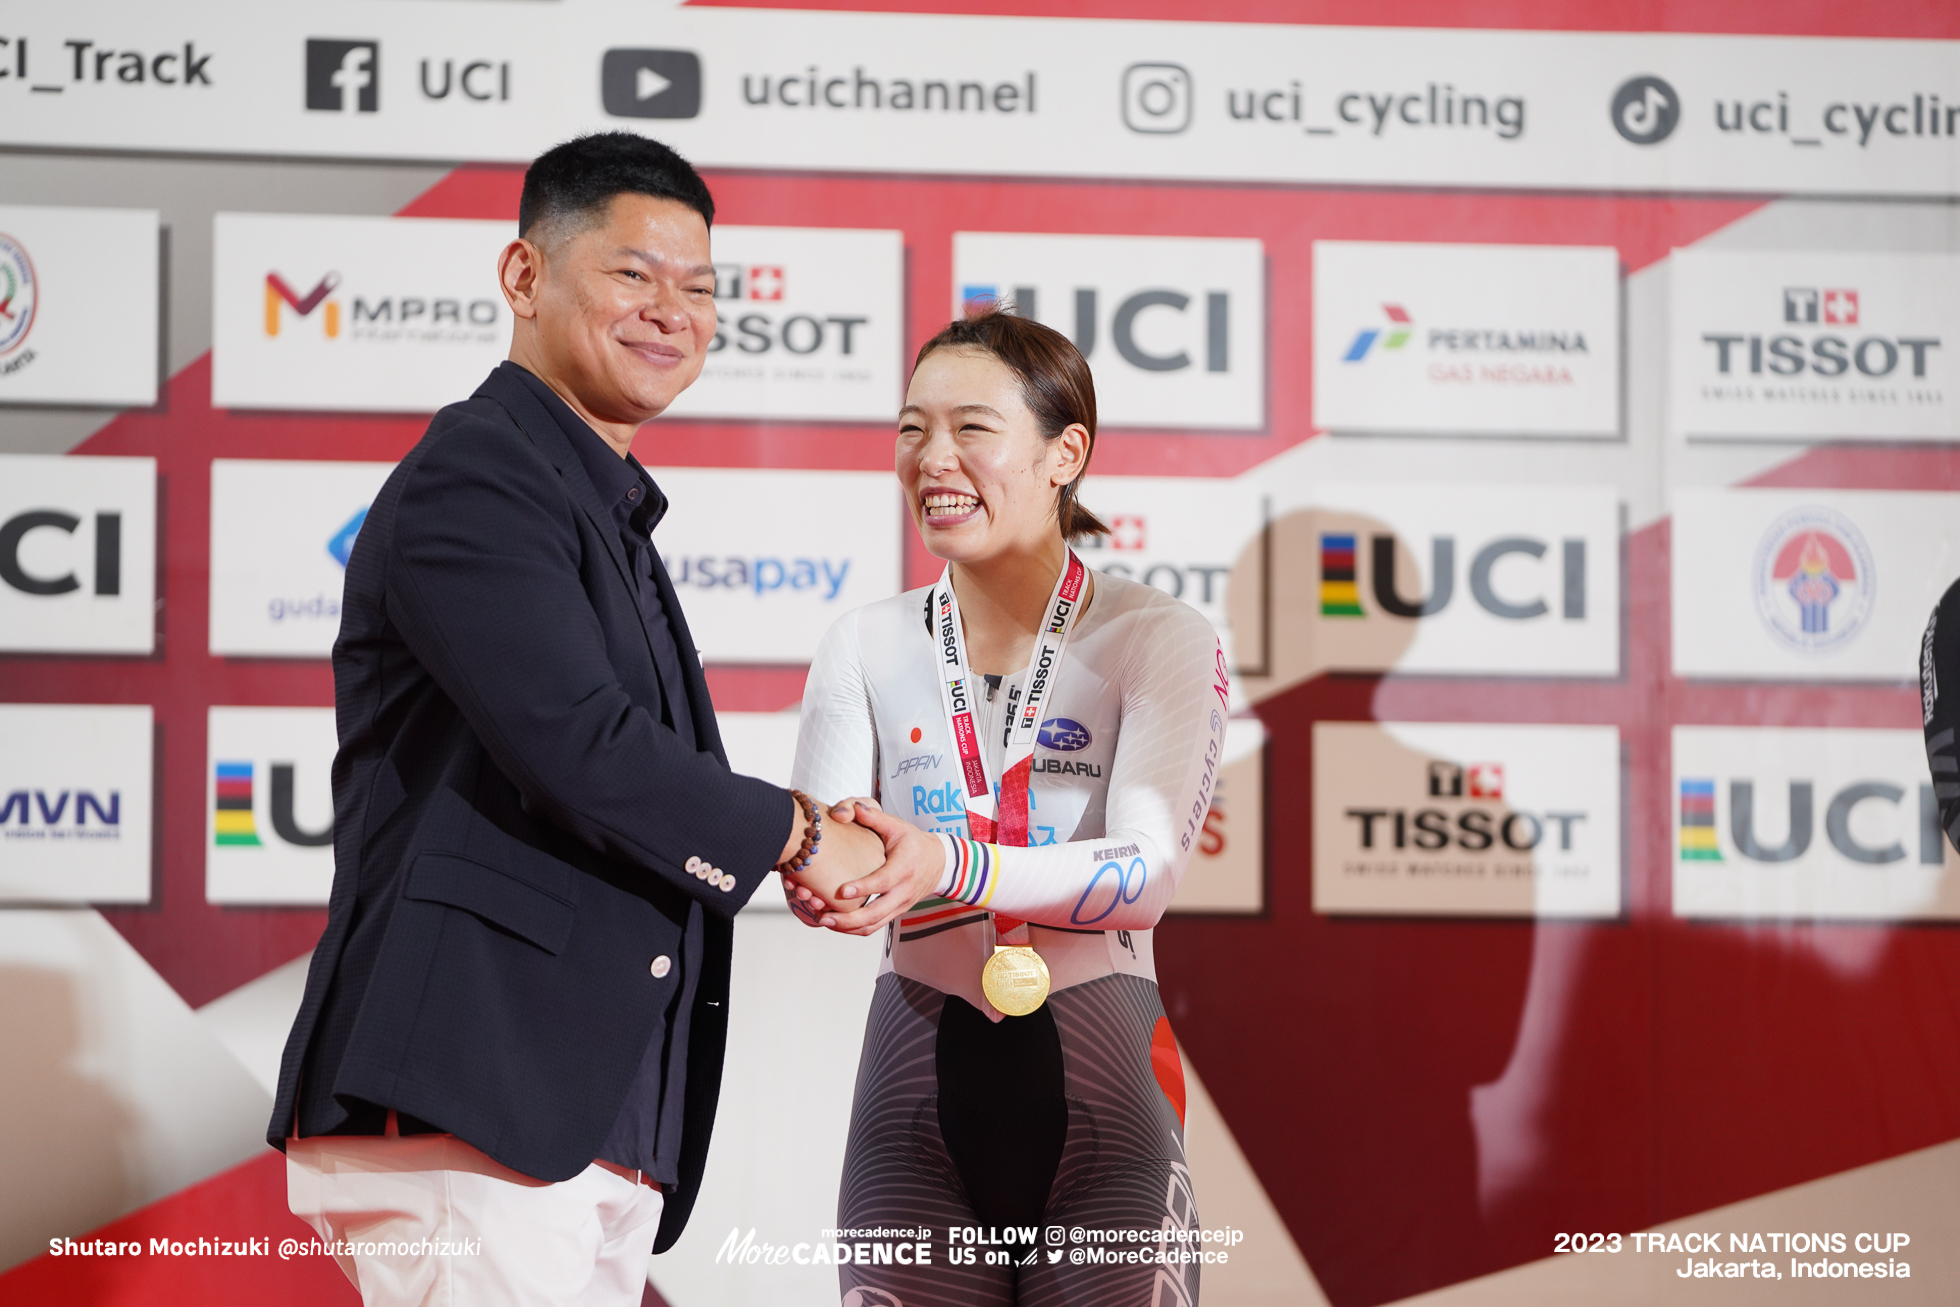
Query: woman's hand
915	863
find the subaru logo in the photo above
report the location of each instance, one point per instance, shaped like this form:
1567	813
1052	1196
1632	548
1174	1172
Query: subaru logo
1063	735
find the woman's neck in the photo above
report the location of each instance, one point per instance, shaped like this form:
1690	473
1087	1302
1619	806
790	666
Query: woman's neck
1002	602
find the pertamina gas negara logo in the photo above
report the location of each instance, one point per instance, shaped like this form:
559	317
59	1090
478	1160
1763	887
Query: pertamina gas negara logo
19	295
1813	579
1392	337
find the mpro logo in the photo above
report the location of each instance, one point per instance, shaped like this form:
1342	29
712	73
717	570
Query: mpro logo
18	297
1814	579
1394	336
1645	110
650	83
343	76
278	292
1173	328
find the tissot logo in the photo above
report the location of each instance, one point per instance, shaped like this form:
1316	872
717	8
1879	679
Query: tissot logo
1645	110
1802	345
650	83
1420	817
343	76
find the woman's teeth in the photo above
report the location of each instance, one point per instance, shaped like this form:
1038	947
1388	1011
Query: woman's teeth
949	503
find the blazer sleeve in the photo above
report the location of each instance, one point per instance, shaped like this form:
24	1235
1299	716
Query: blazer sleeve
484	584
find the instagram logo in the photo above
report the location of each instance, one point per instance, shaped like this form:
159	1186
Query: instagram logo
1156	98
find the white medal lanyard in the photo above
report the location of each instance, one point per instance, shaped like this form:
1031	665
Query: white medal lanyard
1001	817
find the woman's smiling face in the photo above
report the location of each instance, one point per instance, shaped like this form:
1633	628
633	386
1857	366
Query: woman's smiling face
980	479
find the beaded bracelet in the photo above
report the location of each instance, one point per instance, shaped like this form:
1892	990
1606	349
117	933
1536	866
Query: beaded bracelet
812	835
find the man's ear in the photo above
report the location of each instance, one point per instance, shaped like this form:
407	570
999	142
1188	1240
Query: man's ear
519	269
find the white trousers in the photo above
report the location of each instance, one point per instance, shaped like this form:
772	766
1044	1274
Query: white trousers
392	1201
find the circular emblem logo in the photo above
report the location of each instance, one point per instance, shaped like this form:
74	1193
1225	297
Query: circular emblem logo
1645	110
18	294
1814	579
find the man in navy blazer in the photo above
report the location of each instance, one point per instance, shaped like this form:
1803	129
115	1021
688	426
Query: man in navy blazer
513	1026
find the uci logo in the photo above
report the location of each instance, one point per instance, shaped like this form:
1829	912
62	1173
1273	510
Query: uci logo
1063	735
1645	110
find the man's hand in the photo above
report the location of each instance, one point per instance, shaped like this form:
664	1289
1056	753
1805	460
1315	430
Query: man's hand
915	863
847	851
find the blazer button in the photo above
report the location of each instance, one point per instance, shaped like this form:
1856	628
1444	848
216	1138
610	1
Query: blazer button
661	966
727	883
693	866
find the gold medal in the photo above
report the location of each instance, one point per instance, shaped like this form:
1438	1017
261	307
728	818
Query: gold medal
1015	980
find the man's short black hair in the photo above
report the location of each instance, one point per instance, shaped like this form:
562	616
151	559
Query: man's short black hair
571	184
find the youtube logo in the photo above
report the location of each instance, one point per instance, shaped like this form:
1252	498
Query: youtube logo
651	83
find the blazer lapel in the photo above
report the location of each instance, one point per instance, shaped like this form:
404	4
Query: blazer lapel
536	422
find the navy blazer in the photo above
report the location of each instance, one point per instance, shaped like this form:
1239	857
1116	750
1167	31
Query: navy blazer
512	822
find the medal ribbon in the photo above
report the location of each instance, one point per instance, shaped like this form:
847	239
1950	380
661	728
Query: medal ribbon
1006	822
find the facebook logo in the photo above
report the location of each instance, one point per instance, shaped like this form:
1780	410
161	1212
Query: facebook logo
343	76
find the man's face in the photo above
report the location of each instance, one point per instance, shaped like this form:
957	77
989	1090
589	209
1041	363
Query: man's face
626	307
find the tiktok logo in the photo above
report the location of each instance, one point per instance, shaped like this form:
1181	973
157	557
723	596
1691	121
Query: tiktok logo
1645	110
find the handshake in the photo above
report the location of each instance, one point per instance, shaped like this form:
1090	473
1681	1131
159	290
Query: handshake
867	868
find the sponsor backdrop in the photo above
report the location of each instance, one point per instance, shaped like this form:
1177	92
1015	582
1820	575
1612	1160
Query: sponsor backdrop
1556	425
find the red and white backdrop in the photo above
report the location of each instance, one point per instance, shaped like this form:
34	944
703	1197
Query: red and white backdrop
1555	409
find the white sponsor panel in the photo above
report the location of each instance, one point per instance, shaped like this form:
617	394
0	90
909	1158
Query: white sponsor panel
997	96
78	563
1816	585
1496	340
281	533
1227	871
1790	823
1806	345
765	561
1427	819
1192	538
75	803
389	315
1174	328
268	809
1491	580
812	326
78	305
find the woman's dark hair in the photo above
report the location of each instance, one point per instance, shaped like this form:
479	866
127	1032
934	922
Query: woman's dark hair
1055	385
570	185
